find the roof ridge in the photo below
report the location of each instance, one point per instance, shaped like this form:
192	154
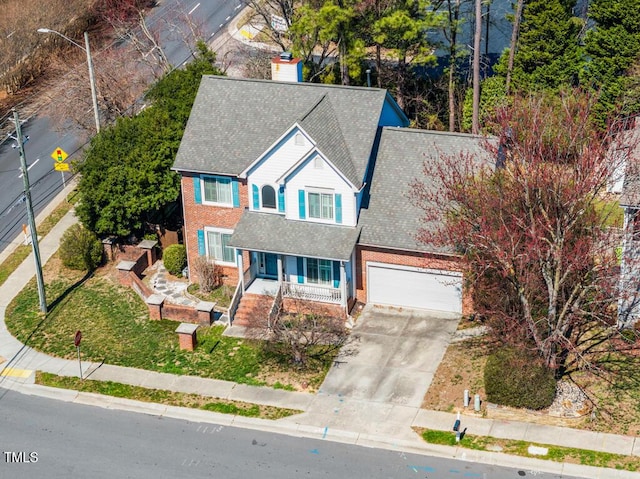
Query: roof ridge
326	102
313	107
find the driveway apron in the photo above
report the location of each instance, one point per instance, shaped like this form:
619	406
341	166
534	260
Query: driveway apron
394	358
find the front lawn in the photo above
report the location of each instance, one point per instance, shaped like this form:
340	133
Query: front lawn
116	328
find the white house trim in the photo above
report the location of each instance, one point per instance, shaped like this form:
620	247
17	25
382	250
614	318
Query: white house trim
305	158
245	172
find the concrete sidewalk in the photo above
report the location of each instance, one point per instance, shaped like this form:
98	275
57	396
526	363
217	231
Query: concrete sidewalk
335	417
327	416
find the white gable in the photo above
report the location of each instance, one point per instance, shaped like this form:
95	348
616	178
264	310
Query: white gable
280	157
315	173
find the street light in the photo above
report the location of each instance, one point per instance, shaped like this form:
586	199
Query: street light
92	80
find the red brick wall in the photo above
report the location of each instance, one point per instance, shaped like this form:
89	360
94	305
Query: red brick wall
365	254
197	216
179	312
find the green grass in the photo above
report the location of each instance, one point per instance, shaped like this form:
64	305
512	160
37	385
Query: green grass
520	448
222	295
116	329
162	396
22	252
612	213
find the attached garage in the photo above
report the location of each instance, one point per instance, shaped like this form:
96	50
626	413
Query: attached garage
411	287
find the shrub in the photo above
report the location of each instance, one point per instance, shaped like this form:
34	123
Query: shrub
175	258
515	379
209	274
80	249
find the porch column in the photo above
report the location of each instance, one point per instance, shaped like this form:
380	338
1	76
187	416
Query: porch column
343	285
240	268
280	278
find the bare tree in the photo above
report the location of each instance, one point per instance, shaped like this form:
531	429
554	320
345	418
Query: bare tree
514	42
266	11
475	124
304	332
533	233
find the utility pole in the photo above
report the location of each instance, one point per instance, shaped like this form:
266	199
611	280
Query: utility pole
32	223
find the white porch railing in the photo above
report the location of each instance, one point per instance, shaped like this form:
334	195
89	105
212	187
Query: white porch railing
235	302
309	292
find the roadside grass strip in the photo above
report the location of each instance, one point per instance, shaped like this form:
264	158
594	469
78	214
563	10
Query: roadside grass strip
22	252
521	448
162	396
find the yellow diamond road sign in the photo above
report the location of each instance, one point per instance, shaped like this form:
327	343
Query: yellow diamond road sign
59	155
61	166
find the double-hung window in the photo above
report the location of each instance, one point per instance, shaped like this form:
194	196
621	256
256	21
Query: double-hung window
321	206
319	271
217	190
218	247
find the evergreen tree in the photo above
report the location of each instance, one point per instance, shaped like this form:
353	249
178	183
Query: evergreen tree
613	48
548	53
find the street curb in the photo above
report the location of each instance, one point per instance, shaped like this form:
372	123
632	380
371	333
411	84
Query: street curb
53	204
282	426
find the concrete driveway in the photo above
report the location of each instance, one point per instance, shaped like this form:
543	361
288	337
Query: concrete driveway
395	358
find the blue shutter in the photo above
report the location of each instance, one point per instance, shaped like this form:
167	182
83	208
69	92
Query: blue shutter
336	274
281	199
300	262
256	197
235	193
338	208
201	247
301	207
196	190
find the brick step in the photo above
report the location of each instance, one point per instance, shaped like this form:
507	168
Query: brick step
251	306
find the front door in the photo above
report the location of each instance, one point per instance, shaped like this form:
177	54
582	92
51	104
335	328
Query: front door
268	264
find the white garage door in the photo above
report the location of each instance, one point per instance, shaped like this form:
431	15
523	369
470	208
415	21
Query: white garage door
414	288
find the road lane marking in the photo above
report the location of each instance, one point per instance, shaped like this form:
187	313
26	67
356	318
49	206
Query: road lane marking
16	373
193	9
227	19
29	167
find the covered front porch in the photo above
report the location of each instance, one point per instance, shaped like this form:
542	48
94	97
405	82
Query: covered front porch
295	259
308	279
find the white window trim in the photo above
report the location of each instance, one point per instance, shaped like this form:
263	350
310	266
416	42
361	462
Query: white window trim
306	273
210	229
215	203
325	191
276	188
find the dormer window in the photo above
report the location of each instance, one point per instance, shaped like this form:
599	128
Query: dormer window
268	197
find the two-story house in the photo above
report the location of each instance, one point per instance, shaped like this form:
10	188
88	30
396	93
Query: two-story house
303	188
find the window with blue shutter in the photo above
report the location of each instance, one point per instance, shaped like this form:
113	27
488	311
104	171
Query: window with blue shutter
256	197
301	206
281	199
197	193
300	263
336	274
235	191
201	247
338	208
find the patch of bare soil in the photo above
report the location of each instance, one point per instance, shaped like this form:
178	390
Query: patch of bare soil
463	368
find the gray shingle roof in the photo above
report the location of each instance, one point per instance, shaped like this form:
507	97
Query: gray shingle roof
391	220
234	121
273	233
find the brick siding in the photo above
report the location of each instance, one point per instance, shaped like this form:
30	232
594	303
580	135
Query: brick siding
366	254
199	216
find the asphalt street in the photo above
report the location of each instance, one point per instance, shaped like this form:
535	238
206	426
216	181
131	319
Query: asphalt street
48	438
211	16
